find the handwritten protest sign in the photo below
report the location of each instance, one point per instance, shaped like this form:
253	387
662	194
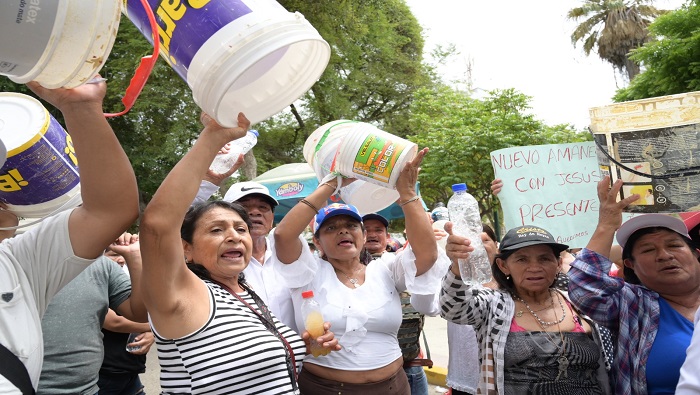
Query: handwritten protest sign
552	186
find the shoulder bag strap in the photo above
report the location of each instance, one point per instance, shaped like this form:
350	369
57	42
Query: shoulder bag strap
14	370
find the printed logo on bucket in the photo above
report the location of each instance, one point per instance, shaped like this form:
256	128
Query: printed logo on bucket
289	189
185	25
377	157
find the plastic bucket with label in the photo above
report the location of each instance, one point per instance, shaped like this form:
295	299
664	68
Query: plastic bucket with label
40	176
333	147
375	156
61	43
249	56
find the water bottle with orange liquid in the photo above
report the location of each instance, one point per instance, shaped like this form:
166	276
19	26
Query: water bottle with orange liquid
313	322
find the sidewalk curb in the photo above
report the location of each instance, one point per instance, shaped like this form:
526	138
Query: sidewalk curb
437	375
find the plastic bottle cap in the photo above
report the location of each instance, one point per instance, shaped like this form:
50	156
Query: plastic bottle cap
255	132
307	294
459	187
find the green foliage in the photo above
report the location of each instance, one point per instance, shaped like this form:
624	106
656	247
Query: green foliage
375	67
461	132
673	62
163	123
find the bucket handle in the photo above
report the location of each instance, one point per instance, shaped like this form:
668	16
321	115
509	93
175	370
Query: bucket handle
683	173
143	71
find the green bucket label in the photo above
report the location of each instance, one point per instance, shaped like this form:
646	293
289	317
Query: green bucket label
377	157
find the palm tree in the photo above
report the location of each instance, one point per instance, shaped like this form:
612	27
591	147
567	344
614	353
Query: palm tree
615	27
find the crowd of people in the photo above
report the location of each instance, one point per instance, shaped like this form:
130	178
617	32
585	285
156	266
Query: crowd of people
219	290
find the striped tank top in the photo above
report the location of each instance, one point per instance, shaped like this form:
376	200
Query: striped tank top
232	353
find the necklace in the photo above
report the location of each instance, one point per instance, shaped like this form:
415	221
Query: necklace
562	360
353	280
543	323
519	313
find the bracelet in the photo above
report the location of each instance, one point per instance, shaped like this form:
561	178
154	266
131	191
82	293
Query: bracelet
308	203
329	185
413	199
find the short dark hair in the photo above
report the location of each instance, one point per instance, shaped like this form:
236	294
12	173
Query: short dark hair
490	233
629	274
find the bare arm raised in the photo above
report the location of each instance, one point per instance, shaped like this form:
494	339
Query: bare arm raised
172	293
107	181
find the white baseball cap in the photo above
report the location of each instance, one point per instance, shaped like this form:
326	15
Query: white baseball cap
650	221
241	189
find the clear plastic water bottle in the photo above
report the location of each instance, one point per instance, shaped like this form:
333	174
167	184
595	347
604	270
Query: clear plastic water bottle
440	212
466	221
224	162
313	322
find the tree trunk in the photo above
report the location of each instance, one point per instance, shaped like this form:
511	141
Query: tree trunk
250	166
632	69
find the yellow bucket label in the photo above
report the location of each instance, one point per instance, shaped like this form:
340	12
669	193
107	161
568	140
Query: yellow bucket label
377	157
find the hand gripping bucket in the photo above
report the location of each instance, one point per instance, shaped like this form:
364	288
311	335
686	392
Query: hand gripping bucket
249	56
326	146
58	43
40	175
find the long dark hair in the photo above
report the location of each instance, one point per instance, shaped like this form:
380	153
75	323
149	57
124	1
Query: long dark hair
629	274
190	223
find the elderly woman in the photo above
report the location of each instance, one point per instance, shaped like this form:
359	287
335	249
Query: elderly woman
360	299
214	334
651	312
530	338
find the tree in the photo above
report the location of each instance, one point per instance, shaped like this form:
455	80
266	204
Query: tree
461	132
672	64
163	123
376	66
614	27
374	70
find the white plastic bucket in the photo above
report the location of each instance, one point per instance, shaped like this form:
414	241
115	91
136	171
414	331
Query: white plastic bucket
328	148
59	43
40	175
373	155
249	56
368	197
333	131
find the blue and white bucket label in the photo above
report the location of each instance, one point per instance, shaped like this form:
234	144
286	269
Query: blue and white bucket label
185	25
25	31
42	169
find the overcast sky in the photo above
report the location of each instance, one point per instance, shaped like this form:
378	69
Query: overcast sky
523	45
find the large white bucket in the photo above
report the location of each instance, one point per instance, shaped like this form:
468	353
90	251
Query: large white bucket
373	155
249	56
59	43
40	175
350	148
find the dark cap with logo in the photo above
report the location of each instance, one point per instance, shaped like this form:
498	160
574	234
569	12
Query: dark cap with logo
377	217
528	235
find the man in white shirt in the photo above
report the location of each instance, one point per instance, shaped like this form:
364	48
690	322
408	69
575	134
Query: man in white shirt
35	265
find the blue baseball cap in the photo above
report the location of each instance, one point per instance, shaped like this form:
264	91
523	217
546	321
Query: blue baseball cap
333	210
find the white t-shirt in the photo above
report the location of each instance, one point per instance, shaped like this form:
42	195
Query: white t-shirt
34	266
266	281
365	320
689	383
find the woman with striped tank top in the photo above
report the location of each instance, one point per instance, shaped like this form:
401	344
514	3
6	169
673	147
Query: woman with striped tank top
214	335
